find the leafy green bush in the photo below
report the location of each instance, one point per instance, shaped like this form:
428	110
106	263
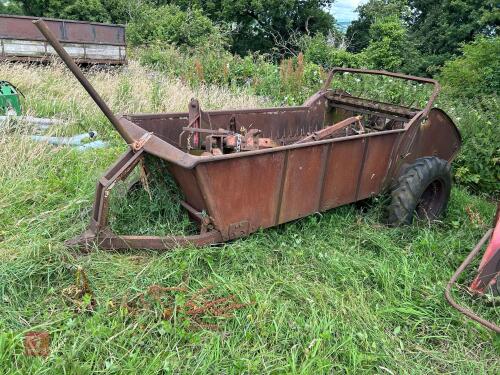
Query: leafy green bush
389	47
290	83
476	72
317	50
478	163
91	10
169	24
194	65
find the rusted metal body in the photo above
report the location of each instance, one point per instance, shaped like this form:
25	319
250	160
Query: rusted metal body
488	276
236	193
86	42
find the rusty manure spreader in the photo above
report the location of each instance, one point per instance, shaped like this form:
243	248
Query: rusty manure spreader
242	170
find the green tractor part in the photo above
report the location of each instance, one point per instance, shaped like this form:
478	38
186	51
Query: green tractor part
10	103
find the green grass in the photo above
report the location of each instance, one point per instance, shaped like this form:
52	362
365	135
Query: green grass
332	293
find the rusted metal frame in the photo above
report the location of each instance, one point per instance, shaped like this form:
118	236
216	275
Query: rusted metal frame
281	189
412	126
204	220
325	157
200	160
393	162
19	29
325	132
42	26
207	131
455	277
119	171
148	116
377	72
372	105
370	112
361	168
195	213
431	100
114	242
165	150
203	183
79	42
100	233
401	148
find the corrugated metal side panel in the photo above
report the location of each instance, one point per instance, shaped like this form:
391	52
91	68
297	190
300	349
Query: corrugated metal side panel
16	27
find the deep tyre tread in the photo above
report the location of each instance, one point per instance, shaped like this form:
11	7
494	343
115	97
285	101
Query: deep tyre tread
422	190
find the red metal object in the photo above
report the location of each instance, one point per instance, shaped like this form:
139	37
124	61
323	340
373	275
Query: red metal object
489	268
233	192
488	275
87	42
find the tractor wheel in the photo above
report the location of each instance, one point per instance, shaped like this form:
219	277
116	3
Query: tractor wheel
422	190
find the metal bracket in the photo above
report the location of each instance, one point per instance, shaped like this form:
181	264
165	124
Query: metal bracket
237	230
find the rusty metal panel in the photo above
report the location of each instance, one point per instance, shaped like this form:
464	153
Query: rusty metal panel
243	189
110	34
81	33
86	42
302	182
437	136
188	183
166	126
342	173
21	27
375	164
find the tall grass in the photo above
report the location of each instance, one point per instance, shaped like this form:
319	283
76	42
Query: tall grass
332	293
53	91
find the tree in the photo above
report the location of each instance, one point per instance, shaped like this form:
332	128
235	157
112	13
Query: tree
256	24
438	28
476	72
172	25
319	50
10	7
116	11
358	32
88	10
388	47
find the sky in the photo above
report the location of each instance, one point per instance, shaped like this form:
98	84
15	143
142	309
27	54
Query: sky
345	10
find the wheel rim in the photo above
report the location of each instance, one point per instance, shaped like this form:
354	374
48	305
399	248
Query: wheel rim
432	200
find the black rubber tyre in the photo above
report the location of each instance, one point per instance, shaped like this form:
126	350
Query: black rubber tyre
422	190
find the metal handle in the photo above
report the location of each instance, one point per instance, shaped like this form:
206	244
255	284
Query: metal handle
51	38
431	81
